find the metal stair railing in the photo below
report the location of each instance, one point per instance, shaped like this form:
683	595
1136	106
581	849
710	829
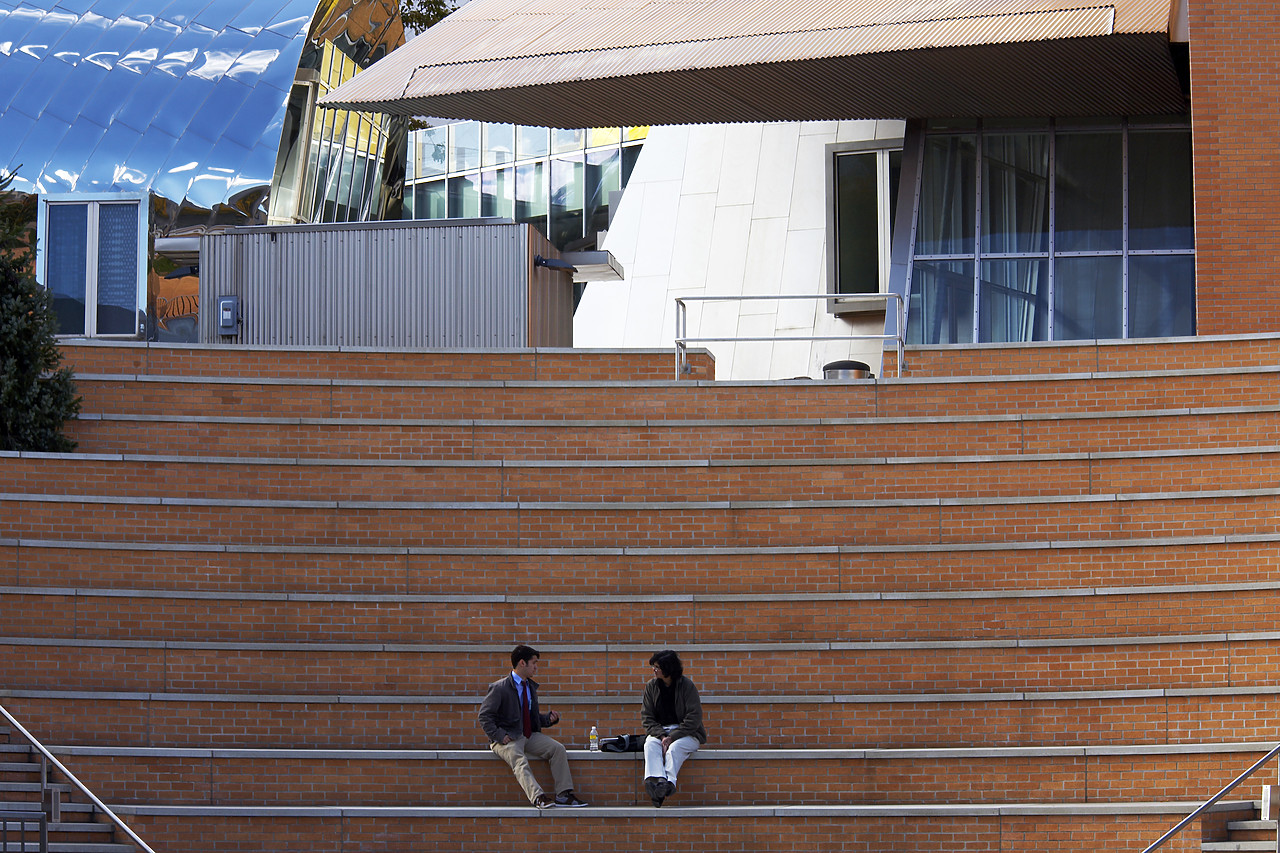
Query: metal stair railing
894	300
23	819
1209	802
50	796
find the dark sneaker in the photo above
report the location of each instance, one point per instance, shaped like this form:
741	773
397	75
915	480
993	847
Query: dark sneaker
542	801
670	789
656	788
569	800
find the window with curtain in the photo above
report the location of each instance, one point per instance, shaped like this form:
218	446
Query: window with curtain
91	260
1052	231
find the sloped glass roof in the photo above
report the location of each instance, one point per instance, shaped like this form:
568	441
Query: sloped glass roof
182	98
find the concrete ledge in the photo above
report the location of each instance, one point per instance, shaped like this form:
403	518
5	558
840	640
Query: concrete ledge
1176	808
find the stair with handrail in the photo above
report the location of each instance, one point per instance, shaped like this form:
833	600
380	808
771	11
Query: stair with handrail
258	606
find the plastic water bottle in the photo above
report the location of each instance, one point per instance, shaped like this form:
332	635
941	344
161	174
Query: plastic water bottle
594	739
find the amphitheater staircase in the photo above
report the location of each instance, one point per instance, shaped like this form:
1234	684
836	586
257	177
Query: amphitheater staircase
1017	600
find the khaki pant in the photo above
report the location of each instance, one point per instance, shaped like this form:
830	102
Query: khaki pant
536	745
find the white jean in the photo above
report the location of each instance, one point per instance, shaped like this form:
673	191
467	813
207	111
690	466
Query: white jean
667	766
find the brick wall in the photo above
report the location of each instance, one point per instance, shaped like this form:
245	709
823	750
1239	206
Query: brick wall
1235	81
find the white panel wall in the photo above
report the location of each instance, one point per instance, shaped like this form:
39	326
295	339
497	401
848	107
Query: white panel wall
721	210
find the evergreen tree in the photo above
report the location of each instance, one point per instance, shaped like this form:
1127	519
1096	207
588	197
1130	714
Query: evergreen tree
37	395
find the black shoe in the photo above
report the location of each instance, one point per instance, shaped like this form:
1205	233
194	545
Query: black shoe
670	789
569	800
656	788
542	801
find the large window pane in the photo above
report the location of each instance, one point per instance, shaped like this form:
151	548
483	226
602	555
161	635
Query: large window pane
1162	291
1089	200
566	203
857	223
117	269
66	254
1088	298
1014	301
531	195
464	148
431	200
565	140
497	193
532	142
499	144
432	151
946	222
1015	198
1160	206
464	197
602	177
941	309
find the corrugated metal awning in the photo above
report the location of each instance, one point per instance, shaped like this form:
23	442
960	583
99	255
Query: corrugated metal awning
582	63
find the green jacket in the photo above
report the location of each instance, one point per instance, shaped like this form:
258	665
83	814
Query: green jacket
688	709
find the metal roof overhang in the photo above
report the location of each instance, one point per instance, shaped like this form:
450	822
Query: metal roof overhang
1048	62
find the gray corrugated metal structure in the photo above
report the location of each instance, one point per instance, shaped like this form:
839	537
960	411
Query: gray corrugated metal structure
461	283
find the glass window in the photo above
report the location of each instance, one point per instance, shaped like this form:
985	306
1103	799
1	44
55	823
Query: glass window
1160	198
1162	291
531	194
66	271
1088	181
630	154
90	254
565	140
532	142
566	203
597	136
1106	249
464	197
117	271
1013	300
464	146
1088	298
497	193
1015	193
857	223
432	149
602	176
431	200
499	144
941	310
631	134
946	221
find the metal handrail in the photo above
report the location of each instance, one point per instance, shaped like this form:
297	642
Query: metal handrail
682	323
24	819
48	756
1209	802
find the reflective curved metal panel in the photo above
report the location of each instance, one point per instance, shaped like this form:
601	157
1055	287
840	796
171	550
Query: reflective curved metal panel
178	98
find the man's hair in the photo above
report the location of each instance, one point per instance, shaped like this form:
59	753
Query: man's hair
669	662
523	652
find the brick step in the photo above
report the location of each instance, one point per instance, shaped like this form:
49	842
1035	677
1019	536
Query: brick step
799	436
712	777
847	829
1086	356
410	721
992	476
322	398
1080	663
528	364
204	566
672	620
666	524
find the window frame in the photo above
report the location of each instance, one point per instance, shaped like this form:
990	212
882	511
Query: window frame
884	215
93	201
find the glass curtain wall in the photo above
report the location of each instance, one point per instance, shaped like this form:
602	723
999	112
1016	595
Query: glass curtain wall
559	180
1031	231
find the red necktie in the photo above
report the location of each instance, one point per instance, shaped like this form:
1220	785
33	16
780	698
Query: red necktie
524	710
